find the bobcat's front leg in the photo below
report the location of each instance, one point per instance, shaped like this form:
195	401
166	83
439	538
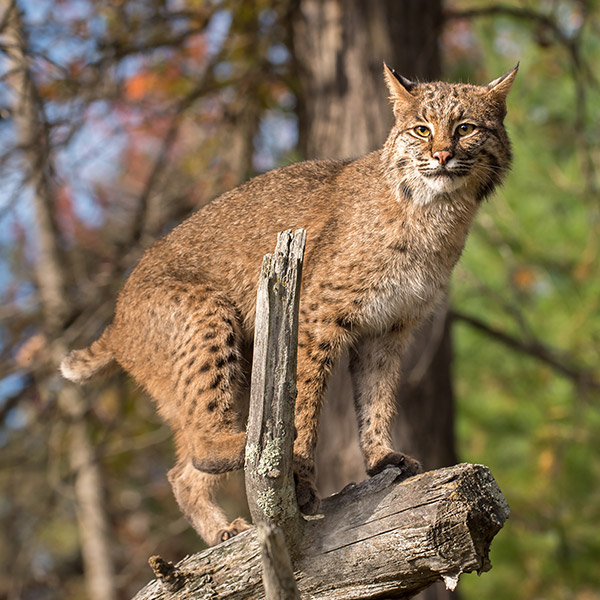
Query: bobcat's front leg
317	351
375	366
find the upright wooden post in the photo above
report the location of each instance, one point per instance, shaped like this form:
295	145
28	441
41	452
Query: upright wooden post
269	448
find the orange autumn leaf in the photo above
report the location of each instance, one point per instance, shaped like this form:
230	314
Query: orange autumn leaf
141	84
524	278
196	47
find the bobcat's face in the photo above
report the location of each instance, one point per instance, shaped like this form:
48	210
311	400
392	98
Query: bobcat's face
449	137
448	142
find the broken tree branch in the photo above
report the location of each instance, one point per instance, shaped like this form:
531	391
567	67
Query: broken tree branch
270	431
278	574
376	539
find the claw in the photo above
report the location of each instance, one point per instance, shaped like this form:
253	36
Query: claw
236	526
407	465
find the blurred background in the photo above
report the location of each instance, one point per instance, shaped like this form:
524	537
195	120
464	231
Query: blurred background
119	118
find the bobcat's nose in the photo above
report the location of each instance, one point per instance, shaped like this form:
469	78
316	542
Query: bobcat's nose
443	156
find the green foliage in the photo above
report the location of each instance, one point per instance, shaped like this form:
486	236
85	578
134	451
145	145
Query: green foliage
531	269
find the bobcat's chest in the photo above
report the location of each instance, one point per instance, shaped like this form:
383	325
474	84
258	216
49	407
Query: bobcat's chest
405	289
399	297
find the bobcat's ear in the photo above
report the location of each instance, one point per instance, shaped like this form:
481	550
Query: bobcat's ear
400	89
499	88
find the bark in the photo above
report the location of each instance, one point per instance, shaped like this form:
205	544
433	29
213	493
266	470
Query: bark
377	539
278	573
94	528
425	423
33	134
270	429
339	48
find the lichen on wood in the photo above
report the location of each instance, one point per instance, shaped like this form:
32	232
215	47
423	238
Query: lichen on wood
269	473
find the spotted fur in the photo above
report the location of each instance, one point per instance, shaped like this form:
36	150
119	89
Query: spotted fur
383	234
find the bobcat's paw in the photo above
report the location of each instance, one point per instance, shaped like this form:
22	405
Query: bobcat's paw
407	465
237	526
306	495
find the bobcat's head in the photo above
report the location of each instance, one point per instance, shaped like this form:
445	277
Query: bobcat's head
447	137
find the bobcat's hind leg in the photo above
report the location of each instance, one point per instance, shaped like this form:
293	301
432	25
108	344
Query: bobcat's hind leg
221	455
208	378
195	494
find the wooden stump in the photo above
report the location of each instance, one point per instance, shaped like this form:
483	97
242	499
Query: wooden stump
269	446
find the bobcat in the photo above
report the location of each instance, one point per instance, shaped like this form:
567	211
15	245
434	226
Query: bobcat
383	234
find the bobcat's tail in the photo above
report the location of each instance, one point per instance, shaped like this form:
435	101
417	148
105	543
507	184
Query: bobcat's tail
96	360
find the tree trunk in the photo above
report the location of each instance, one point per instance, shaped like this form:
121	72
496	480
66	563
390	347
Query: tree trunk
51	274
344	111
340	47
31	132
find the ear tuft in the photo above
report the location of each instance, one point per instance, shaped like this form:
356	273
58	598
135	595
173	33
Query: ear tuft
400	88
407	84
499	88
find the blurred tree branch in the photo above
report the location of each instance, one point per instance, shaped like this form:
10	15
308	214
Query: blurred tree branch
559	361
32	129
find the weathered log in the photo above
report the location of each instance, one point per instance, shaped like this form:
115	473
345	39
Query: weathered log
278	573
270	432
376	539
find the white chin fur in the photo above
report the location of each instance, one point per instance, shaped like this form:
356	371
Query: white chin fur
444	185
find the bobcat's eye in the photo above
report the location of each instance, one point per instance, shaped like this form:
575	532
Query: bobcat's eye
465	129
422	131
